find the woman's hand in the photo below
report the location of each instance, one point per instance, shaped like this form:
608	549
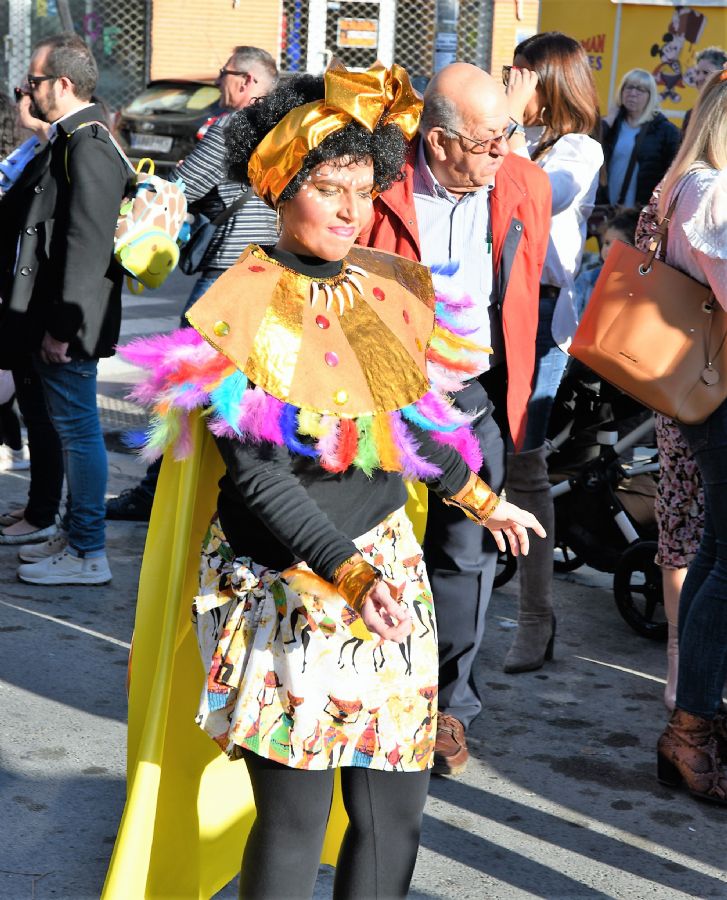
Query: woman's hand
511	522
383	616
521	87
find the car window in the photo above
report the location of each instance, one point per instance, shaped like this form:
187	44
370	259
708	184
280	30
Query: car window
174	98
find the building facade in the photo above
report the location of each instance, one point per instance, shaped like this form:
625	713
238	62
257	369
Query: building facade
140	40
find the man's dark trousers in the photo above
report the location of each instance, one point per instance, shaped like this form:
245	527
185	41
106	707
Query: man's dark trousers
461	558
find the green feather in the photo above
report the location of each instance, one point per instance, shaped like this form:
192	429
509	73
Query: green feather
367	457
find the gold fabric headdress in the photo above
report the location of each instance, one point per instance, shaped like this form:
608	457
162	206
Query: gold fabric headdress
379	95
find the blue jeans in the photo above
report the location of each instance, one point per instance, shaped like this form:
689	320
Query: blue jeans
550	364
703	603
201	286
70	393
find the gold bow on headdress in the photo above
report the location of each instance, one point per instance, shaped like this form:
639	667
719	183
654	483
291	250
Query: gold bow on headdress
379	95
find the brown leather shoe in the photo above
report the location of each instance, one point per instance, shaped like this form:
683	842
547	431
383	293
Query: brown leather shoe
450	748
687	754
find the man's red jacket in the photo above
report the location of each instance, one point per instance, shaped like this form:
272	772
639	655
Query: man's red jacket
520	206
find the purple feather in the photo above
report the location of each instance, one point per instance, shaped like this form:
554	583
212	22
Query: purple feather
413	465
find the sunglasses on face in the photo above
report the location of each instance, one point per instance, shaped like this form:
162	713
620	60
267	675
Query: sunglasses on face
487	145
635	87
224	72
506	74
34	80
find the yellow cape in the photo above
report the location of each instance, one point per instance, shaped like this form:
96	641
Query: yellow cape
188	808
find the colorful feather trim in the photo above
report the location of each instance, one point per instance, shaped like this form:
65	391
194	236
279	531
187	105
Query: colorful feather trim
184	373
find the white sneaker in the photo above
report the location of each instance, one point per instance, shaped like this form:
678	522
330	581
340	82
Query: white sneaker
66	569
52	547
14	460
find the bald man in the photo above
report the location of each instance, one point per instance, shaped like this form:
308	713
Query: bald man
464	200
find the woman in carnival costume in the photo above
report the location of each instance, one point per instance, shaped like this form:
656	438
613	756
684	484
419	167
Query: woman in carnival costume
324	378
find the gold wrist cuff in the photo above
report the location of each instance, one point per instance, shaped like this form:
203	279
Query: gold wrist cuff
355	584
477	500
349	561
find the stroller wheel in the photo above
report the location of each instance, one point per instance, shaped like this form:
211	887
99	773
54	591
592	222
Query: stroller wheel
638	590
564	558
506	568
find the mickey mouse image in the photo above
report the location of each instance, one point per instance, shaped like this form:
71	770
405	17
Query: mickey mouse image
669	71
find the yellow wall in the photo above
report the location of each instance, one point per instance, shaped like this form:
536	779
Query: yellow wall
508	30
193	38
594	23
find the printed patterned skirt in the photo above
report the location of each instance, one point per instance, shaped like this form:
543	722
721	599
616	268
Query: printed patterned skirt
679	498
294	675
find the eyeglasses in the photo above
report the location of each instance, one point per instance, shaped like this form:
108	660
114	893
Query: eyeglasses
635	87
506	74
485	146
34	80
224	72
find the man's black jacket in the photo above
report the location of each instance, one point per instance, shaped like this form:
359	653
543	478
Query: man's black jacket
57	271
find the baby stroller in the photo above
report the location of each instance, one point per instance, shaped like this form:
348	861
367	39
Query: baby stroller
604	495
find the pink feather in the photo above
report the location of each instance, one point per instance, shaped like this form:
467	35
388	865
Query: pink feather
465	443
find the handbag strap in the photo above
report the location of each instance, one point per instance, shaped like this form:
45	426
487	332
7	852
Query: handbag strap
631	166
229	211
661	236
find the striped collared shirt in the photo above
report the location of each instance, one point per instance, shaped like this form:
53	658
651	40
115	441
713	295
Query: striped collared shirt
210	192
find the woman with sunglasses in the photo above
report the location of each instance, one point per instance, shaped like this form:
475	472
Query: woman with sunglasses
639	143
551	92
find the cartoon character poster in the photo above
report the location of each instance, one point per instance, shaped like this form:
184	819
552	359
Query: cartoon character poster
676	52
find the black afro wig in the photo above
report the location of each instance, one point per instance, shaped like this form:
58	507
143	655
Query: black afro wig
386	145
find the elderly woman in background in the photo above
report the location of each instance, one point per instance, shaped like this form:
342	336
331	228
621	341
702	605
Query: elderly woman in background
639	143
693	748
709	61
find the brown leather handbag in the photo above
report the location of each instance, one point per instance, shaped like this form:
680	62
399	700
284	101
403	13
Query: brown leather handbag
655	333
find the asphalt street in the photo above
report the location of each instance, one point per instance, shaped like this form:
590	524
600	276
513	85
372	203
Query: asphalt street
560	799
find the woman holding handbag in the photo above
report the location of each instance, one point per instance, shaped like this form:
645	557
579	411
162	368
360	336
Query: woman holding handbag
693	748
551	91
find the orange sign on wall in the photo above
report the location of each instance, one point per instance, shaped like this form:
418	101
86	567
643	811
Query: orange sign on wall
358	33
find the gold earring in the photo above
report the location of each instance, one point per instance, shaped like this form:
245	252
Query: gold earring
278	220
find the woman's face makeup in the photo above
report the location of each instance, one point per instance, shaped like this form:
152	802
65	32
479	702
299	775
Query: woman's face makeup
327	214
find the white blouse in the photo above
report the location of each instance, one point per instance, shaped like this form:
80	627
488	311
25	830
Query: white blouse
698	232
572	164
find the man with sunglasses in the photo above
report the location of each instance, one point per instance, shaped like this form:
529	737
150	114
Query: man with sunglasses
468	205
249	73
61	293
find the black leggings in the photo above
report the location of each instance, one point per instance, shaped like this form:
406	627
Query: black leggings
379	848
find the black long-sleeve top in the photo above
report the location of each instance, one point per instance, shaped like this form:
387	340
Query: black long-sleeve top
279	508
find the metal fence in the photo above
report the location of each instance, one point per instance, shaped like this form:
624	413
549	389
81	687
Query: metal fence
116	31
421	35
